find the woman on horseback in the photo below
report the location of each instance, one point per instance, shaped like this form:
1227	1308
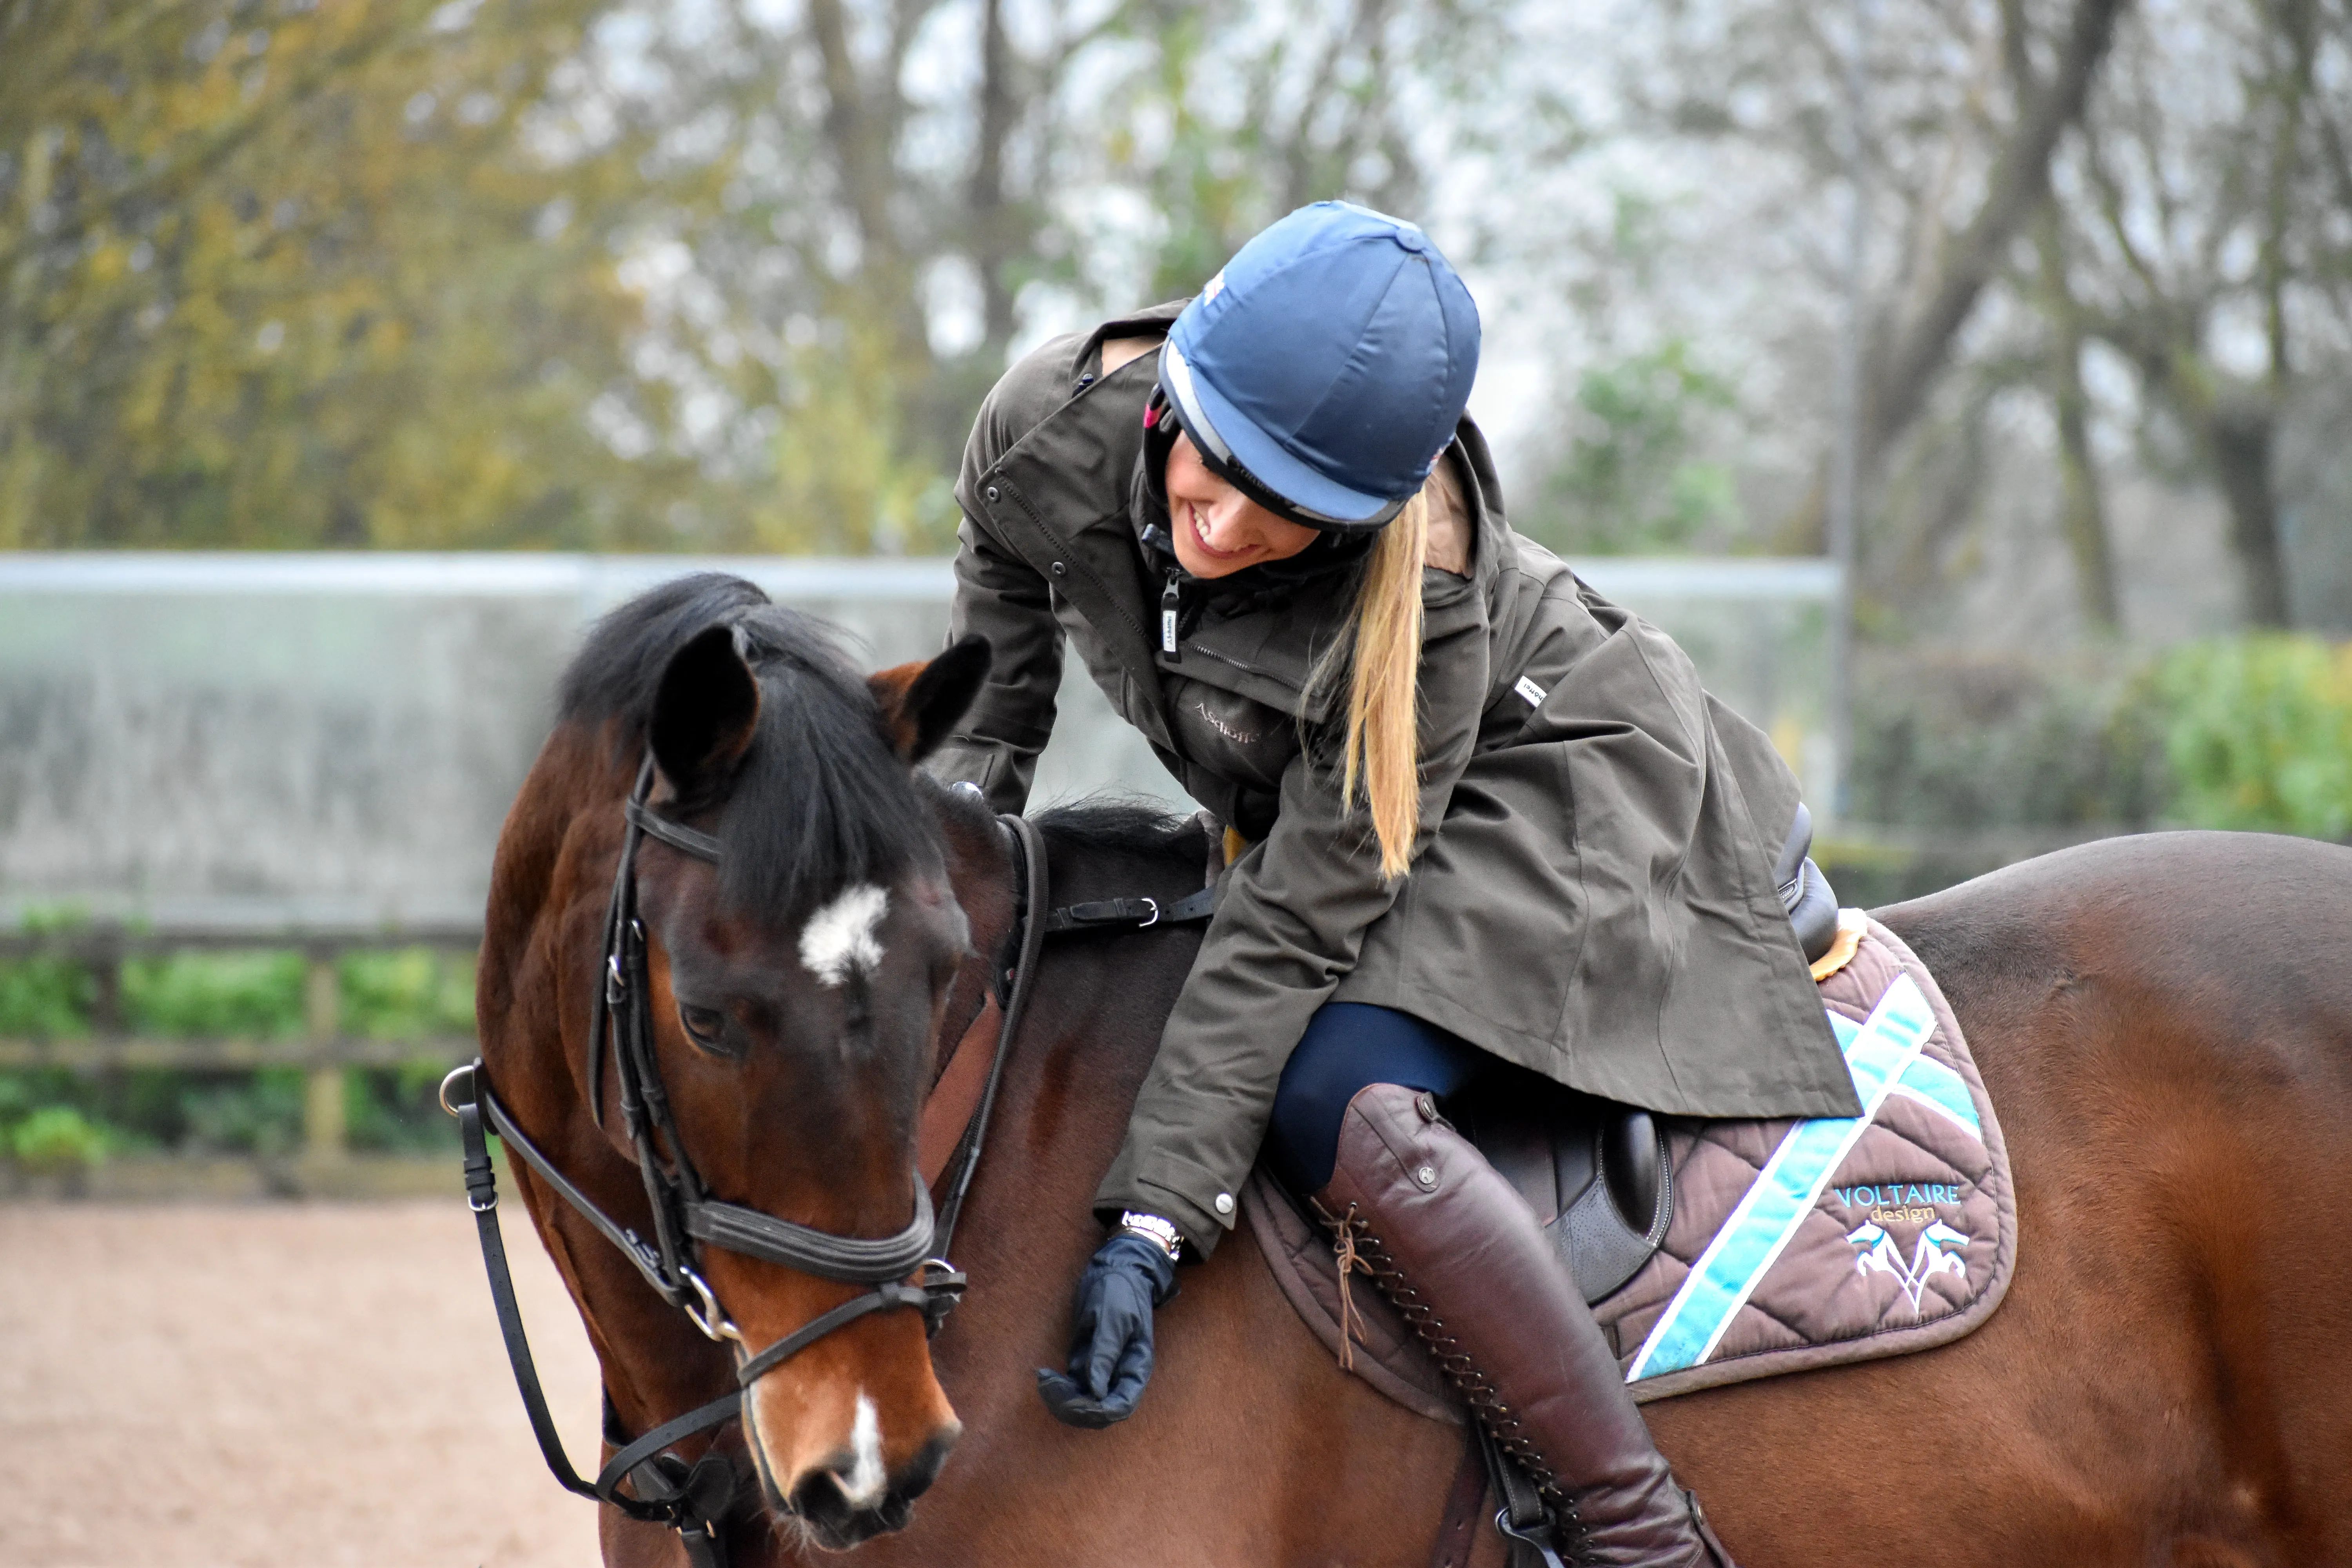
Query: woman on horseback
1488	817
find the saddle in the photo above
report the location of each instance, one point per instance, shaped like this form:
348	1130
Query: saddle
1719	1251
1599	1175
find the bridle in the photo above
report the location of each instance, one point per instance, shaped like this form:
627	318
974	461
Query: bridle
693	1500
686	1217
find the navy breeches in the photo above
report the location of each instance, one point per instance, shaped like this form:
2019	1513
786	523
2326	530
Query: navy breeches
1349	1046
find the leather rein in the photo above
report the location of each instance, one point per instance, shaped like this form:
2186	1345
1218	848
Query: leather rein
693	1499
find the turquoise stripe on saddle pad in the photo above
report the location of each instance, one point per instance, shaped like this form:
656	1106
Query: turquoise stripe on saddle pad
1882	1053
1940	1088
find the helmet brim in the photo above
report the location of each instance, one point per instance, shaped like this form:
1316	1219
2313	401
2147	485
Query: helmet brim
1317	502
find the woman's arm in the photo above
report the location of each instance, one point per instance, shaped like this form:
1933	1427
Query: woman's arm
1288	930
1003	598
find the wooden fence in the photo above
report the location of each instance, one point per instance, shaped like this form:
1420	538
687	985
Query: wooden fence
324	1050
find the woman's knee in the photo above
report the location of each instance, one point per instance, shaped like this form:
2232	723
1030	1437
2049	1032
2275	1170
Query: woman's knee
1349	1046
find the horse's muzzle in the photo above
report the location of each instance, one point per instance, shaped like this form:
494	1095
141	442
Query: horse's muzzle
821	1498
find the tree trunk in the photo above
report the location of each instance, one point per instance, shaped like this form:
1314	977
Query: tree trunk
2238	440
993	242
1905	357
2083	513
1907	361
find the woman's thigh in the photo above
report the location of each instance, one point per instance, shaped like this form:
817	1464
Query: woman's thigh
1348	1046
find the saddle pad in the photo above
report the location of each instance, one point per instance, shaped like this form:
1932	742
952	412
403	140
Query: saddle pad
1795	1244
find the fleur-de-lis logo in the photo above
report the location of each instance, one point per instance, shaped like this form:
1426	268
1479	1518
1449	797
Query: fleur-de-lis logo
1937	1251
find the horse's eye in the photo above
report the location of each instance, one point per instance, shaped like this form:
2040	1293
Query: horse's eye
704	1026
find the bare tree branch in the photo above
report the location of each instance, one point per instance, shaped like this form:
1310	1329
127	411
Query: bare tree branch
1904	369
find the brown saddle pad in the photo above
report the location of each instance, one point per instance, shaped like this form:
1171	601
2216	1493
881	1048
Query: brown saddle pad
1793	1244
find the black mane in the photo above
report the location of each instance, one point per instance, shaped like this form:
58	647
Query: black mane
1111	823
819	801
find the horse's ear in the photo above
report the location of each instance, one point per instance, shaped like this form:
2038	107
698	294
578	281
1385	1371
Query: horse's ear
704	711
921	702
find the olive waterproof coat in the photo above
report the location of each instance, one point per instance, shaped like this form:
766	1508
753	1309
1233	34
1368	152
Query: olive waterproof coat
1591	895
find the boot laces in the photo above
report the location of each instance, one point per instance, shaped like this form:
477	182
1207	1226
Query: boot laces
1359	1251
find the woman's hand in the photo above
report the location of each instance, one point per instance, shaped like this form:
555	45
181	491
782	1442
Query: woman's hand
1111	1353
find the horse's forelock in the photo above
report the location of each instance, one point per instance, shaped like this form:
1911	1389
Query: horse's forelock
819	802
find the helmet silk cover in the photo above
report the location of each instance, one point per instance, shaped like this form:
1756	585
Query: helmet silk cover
1330	361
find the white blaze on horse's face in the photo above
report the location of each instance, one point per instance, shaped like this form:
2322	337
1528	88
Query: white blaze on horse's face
861	1487
839	940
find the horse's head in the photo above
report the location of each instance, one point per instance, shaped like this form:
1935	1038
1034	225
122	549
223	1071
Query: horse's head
796	987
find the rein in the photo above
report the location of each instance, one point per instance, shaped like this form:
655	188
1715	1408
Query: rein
693	1500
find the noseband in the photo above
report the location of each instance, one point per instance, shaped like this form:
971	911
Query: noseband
684	1218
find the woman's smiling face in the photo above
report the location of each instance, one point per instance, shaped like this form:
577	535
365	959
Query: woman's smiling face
1219	531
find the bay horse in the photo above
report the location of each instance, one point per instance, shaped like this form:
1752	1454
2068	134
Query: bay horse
2163	1024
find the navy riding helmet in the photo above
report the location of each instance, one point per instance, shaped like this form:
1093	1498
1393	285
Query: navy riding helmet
1323	371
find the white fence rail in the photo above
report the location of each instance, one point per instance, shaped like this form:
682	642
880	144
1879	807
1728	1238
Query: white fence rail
332	739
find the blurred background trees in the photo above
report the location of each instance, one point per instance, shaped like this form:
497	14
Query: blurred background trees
734	273
720	275
723	274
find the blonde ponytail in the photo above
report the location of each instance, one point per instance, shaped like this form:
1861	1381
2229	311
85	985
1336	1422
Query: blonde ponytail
1382	652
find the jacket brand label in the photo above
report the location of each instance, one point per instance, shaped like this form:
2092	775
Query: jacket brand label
1167	631
1528	688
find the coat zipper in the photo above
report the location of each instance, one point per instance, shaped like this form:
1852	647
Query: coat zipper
1172	607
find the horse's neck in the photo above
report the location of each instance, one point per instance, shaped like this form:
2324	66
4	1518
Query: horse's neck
576	775
1019	1491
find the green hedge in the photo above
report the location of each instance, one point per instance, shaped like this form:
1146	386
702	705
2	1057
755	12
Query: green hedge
2259	734
2250	733
53	1117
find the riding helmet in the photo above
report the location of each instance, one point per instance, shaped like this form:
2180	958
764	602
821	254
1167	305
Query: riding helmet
1324	369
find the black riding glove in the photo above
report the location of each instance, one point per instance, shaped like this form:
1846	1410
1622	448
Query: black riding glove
1110	1354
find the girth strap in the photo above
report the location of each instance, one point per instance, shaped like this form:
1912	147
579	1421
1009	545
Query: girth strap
1523	1518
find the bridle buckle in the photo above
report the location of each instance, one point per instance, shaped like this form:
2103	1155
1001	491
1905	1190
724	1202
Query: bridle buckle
714	1324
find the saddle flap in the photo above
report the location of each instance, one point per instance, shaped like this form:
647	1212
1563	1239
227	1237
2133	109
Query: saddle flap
1596	1172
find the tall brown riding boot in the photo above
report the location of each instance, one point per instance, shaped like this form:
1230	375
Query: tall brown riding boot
1458	1251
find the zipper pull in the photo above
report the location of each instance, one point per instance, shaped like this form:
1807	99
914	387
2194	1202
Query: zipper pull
1171	604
